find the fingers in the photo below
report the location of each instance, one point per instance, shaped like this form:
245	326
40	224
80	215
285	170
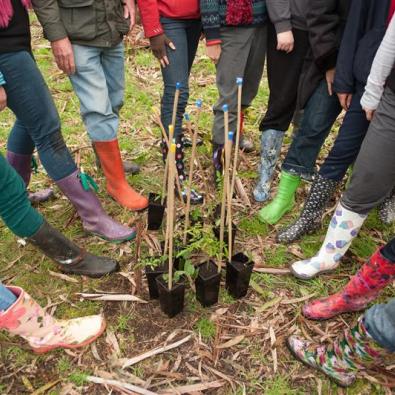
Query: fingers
164	61
3	99
171	45
348	101
126	11
66	63
330	89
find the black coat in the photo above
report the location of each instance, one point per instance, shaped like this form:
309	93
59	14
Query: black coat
363	34
326	20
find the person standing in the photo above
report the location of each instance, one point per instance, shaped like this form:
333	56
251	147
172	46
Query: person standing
87	42
236	41
37	125
174	29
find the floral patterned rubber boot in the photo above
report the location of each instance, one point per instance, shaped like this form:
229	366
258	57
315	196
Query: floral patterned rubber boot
363	288
354	351
42	331
343	228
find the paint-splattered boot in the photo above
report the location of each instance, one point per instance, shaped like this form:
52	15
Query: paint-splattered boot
351	353
271	142
363	288
310	218
343	228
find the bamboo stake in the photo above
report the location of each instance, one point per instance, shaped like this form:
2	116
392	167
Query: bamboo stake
239	83
166	187
225	109
175	104
191	167
229	197
170	198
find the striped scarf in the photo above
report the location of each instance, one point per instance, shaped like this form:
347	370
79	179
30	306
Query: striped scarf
6	11
238	12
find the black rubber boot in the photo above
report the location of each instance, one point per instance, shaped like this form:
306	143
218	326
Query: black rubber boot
218	162
70	258
309	220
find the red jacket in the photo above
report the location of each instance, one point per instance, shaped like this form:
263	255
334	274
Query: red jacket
152	10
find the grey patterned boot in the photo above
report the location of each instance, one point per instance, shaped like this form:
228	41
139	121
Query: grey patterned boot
387	209
310	219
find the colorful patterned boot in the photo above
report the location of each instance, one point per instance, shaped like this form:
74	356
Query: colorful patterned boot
364	287
387	209
284	200
321	192
344	226
353	352
271	142
42	331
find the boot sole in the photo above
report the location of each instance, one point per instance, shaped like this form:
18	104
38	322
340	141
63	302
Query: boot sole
114	241
334	315
91	275
306	278
337	382
42	350
283	212
309	232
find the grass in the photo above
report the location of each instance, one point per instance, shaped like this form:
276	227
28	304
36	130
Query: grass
141	328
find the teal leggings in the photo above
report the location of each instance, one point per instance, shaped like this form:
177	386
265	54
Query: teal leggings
15	208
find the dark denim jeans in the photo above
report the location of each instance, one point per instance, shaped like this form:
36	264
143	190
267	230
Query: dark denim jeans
318	118
348	142
185	35
37	121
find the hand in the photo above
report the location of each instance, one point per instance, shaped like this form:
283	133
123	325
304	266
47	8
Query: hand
285	41
330	78
369	113
64	55
129	11
158	46
214	52
3	98
345	100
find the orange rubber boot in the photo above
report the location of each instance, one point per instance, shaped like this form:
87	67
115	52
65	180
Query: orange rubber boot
117	186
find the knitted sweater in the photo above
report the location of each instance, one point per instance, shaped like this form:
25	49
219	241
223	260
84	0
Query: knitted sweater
213	13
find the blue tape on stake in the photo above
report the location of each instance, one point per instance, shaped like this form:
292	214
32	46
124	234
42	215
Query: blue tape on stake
225	108
199	103
187	117
239	81
178	85
230	136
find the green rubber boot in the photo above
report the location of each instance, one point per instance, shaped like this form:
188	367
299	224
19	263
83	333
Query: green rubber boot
284	200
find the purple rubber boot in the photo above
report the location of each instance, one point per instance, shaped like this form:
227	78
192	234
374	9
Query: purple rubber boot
23	165
89	208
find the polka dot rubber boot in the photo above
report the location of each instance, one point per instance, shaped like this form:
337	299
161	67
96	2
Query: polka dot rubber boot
271	142
196	198
344	226
309	220
387	209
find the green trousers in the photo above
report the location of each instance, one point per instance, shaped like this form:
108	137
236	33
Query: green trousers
15	208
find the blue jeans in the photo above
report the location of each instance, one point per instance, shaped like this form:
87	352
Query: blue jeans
99	83
379	321
320	113
37	121
185	36
348	142
7	298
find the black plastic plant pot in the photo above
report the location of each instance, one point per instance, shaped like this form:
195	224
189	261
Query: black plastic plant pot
152	273
156	211
238	274
226	234
171	300
207	284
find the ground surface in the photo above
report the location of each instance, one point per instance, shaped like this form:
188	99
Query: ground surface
238	346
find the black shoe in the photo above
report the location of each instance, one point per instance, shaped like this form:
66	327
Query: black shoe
70	258
320	194
188	142
196	198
